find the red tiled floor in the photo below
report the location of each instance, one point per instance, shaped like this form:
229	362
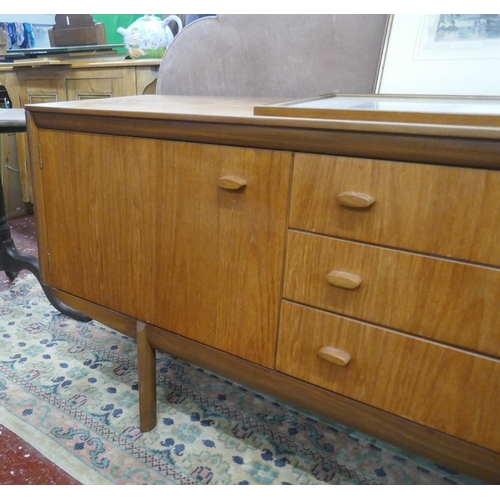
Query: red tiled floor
20	463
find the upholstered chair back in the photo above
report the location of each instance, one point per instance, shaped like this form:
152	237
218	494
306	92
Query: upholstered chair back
283	56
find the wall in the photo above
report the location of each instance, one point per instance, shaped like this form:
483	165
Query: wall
40	22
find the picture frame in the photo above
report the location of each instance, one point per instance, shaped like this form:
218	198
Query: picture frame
478	111
441	54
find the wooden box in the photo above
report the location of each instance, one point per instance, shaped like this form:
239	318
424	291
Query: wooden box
76	29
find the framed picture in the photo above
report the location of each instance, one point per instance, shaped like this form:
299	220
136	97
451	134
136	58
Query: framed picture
441	54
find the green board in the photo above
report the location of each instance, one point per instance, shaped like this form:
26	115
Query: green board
114	21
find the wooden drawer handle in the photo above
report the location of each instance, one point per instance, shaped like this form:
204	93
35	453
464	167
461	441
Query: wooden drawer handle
343	279
355	200
334	356
231	182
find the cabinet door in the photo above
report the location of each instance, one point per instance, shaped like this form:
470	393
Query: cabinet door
141	226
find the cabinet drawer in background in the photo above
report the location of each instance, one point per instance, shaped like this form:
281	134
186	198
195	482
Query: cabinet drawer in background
96	88
443	300
448	211
446	389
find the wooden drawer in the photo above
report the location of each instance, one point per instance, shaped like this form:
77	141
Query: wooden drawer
448	211
446	389
444	300
94	88
42	91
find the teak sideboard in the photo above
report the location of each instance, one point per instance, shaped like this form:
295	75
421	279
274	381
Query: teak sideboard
349	267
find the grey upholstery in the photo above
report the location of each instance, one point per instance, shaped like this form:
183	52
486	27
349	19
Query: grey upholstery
269	55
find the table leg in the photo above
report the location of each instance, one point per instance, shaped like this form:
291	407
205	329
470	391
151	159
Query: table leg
147	379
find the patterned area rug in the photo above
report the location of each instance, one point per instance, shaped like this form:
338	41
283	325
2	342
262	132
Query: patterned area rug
70	390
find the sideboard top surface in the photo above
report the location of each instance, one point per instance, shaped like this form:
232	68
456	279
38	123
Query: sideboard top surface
50	63
232	121
241	110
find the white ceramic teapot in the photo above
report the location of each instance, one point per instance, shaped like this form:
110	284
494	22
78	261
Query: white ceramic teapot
148	36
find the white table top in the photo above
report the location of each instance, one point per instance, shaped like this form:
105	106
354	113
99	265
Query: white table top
12	120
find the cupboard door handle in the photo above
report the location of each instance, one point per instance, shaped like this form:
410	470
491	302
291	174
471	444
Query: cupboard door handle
334	355
343	279
231	182
355	200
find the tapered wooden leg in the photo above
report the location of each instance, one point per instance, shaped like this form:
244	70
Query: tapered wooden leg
147	379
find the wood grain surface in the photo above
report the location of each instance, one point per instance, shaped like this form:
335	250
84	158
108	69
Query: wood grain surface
132	183
446	389
452	212
154	236
452	302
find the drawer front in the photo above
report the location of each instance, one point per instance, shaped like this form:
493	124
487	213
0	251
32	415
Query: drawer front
94	88
443	300
446	389
447	211
42	91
